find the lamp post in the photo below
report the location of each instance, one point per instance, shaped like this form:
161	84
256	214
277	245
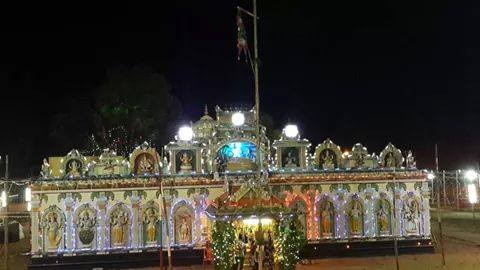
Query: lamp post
471	176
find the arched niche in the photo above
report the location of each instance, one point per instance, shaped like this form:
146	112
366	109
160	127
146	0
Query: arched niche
326	214
144	160
383	215
151	224
183	216
119	220
53	225
355	216
299	208
411	214
328	156
85	222
391	157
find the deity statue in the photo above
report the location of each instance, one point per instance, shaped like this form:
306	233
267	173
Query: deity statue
184	231
328	163
151	221
359	160
391	162
412	217
46	171
73	168
383	223
355	219
186	165
119	221
86	225
411	160
326	216
53	230
145	165
290	161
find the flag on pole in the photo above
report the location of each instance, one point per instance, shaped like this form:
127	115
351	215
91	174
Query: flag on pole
242	44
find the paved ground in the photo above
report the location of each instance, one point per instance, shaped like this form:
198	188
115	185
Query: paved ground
462	249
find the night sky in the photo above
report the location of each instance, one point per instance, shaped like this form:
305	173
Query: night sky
373	72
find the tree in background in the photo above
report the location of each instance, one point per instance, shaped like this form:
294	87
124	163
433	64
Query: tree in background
267	121
133	105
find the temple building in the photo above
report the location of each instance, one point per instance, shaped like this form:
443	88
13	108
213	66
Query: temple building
169	196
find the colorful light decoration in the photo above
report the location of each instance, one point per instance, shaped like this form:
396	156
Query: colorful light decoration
291	131
185	133
238	119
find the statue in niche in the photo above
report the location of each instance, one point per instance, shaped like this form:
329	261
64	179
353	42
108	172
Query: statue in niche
74	168
119	221
186	165
355	219
151	222
328	162
184	231
326	218
391	162
290	161
53	230
411	160
46	171
359	160
145	165
383	218
411	215
86	224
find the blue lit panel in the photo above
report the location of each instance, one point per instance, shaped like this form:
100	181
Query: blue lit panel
237	150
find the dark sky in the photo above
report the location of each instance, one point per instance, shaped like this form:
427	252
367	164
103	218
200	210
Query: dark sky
355	71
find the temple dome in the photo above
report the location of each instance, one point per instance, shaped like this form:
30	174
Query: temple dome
204	127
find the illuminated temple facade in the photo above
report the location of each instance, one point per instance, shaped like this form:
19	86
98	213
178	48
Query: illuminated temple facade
107	203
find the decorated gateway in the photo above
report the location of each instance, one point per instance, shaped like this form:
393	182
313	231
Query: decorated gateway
169	196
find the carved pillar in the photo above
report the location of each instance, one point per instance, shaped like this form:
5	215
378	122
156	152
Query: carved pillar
341	215
398	228
168	221
69	231
136	233
312	227
101	230
36	248
370	214
425	226
197	222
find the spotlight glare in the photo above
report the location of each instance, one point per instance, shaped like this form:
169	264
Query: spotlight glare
471	175
291	131
472	193
238	119
185	133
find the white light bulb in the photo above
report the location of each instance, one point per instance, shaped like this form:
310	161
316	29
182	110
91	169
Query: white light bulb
291	131
238	119
28	194
472	193
185	133
3	199
471	175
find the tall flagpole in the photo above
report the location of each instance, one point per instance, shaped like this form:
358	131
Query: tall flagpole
257	94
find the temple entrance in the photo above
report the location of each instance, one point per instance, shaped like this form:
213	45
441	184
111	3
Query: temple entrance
255	242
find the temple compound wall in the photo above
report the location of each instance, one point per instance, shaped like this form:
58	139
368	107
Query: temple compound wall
109	203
